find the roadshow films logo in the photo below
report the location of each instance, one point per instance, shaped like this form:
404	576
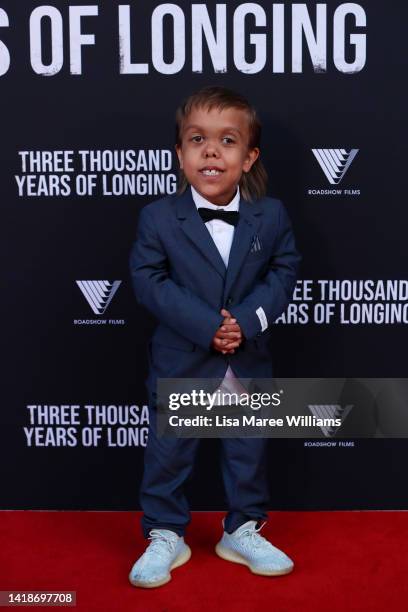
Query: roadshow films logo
334	164
98	294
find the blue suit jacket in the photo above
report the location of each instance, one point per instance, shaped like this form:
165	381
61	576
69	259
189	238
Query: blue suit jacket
180	277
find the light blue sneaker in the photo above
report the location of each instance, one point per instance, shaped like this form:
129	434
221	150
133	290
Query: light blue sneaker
246	546
166	551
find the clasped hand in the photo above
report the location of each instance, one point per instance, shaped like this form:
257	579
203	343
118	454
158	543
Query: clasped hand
228	336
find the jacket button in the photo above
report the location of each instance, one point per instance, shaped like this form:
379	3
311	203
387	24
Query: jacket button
230	300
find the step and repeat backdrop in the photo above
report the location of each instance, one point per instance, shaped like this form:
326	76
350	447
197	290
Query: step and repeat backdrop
88	95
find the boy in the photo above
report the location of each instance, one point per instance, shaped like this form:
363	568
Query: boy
216	264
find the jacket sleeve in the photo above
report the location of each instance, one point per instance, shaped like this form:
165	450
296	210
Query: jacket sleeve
172	304
274	292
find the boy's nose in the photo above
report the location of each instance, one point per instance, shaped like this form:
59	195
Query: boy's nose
211	152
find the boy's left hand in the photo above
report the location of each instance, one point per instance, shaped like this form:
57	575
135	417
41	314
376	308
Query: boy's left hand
228	330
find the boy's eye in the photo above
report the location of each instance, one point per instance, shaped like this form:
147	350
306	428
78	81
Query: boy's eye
226	139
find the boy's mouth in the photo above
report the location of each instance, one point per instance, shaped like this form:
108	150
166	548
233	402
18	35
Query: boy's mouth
211	171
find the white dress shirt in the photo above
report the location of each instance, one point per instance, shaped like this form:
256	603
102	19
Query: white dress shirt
222	233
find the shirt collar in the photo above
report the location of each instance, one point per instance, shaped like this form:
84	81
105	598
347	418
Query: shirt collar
200	201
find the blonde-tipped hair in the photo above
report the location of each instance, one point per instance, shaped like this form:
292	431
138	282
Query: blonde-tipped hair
253	183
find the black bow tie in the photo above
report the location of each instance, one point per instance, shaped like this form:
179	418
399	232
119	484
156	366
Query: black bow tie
229	216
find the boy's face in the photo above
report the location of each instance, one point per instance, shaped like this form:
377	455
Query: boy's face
216	139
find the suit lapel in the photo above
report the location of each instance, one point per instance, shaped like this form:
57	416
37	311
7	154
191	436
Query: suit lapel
194	228
249	221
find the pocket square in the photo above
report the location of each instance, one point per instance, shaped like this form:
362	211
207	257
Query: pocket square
256	244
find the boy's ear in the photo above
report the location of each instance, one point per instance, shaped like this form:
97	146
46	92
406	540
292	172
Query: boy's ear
251	158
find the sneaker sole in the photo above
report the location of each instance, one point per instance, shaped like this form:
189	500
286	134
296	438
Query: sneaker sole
182	558
230	555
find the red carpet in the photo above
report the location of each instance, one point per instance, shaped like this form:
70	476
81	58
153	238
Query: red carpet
348	561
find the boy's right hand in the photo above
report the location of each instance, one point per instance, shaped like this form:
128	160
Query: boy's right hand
228	336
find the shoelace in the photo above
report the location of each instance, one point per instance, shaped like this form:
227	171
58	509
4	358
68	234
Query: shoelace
253	538
160	543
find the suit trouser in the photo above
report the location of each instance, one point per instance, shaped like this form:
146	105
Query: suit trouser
168	464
